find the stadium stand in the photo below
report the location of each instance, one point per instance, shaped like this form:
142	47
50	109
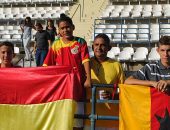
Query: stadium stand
130	24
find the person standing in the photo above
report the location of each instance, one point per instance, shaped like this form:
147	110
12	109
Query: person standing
71	51
104	70
27	30
42	43
51	30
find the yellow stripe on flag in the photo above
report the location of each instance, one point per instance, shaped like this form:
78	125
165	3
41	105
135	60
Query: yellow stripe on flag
47	116
134	107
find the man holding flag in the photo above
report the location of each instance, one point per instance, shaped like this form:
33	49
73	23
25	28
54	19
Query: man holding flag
148	107
155	74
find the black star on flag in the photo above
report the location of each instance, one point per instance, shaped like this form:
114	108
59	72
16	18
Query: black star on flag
165	121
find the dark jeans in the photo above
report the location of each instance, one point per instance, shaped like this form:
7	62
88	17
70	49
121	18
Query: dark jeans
40	56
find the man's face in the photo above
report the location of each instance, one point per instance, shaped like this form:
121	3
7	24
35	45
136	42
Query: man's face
38	28
164	52
65	30
100	48
6	54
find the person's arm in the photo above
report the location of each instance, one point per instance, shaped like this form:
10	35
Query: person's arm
133	81
22	28
35	46
163	85
87	83
33	26
49	44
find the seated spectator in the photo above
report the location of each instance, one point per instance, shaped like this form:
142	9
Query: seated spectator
156	74
104	71
6	55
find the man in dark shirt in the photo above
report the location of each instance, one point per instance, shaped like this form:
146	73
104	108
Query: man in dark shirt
155	74
42	44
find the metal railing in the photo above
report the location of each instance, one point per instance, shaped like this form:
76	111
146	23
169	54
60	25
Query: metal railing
93	116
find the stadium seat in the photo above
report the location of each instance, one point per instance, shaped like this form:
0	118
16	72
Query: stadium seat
136	14
4	32
6	37
2	16
124	14
13	31
146	13
129	49
16	50
97	30
115	50
47	16
56	15
124	56
115	14
139	56
110	26
153	55
108	31
9	27
2	27
19	16
142	50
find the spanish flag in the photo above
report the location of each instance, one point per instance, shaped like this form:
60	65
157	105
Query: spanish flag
143	108
42	98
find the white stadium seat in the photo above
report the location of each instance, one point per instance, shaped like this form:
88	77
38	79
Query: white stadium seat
153	55
124	56
139	56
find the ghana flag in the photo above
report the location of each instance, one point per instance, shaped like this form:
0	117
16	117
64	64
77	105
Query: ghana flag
143	108
41	98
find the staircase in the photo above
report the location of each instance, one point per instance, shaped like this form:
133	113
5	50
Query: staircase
83	14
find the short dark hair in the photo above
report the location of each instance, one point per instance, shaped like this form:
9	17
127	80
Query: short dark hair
64	18
39	25
9	44
164	40
104	37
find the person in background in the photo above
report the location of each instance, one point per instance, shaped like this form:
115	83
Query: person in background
155	74
51	30
27	30
6	55
71	51
42	44
104	71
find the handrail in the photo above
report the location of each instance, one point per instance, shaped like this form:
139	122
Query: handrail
93	116
79	5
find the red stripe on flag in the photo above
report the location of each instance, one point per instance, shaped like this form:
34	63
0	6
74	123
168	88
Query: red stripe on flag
38	85
159	103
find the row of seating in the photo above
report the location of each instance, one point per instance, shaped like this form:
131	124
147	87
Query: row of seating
33	1
11	37
133	31
156	10
129	54
33	12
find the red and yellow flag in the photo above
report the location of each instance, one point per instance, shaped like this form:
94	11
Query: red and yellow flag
143	108
40	98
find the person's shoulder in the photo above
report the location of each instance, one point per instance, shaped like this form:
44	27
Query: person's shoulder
113	61
92	59
56	41
152	63
80	40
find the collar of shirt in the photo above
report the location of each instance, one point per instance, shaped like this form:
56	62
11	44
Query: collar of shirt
162	66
